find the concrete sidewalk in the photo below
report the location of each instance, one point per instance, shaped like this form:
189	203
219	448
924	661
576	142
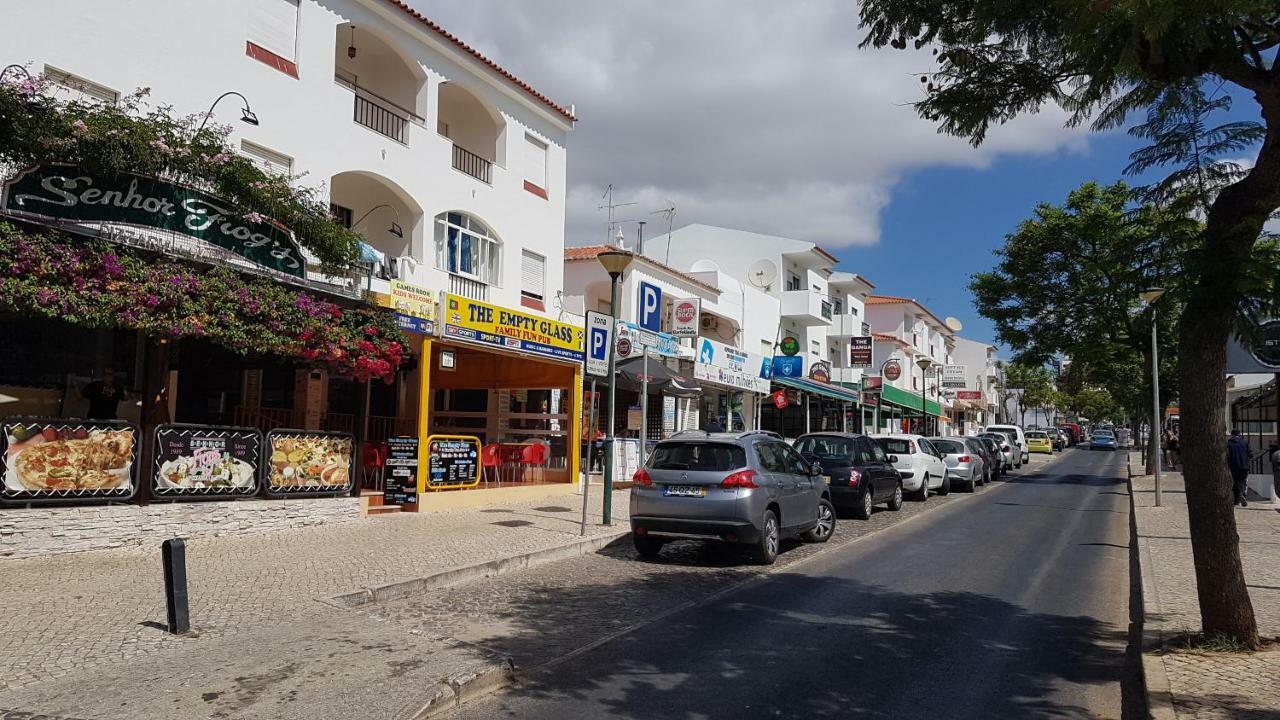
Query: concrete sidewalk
1200	685
95	615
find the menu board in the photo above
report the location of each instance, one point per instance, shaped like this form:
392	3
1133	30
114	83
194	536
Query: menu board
60	459
308	462
453	461
401	484
204	460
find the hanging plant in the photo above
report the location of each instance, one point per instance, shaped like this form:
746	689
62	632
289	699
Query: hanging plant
97	285
38	128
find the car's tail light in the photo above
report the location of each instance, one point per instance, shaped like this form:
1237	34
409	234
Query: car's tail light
745	479
964	459
642	478
854	478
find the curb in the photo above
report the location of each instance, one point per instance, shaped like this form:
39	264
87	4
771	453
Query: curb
463	686
1155	680
467	573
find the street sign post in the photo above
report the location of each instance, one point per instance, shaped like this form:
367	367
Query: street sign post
599	343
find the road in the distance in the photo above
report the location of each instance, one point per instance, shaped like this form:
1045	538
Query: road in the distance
1011	604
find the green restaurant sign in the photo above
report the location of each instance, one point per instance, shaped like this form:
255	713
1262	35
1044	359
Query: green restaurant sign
64	193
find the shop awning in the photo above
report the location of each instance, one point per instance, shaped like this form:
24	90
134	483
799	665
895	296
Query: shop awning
835	392
661	378
907	400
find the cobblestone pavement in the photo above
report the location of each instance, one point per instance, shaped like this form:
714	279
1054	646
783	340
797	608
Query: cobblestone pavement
1206	685
68	612
551	611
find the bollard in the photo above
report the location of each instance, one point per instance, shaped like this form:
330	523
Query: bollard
175	585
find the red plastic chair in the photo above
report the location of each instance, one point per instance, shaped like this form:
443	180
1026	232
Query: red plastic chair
535	456
491	460
373	463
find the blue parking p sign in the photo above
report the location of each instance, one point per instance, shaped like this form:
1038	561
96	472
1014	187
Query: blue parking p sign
650	307
599	343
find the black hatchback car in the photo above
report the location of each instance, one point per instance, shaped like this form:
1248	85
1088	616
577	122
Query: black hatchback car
860	473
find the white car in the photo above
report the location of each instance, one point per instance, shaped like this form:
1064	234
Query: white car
1020	435
919	463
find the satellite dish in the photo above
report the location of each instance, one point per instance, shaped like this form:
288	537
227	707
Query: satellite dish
705	265
762	273
954	324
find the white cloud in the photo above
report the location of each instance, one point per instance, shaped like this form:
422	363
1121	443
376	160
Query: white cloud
754	114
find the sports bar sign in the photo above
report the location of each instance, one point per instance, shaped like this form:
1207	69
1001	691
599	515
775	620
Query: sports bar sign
61	192
479	322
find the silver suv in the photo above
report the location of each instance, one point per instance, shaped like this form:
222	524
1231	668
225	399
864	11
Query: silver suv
750	488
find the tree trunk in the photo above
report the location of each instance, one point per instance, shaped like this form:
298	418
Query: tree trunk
1234	223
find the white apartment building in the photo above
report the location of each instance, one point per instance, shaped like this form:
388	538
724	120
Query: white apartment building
981	373
451	167
904	331
818	305
732	316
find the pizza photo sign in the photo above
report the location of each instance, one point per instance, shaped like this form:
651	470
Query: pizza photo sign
55	459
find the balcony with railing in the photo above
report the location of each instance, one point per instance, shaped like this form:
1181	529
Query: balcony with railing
472	164
468	288
385	83
806	307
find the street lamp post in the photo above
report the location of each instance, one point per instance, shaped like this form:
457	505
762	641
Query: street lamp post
924	364
615	263
1150	296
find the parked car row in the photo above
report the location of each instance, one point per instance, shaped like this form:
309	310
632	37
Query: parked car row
754	488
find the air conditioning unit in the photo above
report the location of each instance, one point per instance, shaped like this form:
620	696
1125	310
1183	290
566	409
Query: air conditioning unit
707	322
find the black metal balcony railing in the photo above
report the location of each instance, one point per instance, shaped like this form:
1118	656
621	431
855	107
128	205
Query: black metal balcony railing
381	119
472	164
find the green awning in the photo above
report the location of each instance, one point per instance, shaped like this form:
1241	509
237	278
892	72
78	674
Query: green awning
835	392
908	400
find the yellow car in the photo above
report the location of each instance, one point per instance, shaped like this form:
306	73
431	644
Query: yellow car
1039	442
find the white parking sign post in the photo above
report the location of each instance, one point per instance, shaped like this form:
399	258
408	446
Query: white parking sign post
599	345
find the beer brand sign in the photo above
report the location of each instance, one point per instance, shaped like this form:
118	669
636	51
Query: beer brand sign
64	193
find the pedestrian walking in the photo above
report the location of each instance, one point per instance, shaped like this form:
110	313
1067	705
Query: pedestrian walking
1274	452
1238	464
714	425
1175	454
1164	447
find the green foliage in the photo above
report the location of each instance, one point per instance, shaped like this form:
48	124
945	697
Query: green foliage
1178	126
1097	59
38	128
1068	280
97	285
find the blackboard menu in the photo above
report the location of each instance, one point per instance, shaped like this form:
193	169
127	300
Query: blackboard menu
453	461
203	460
401	484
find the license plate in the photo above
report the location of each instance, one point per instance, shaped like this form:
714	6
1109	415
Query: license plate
684	491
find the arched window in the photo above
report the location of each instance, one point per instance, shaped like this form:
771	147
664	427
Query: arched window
466	246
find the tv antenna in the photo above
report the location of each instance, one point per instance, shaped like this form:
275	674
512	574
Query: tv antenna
611	205
668	212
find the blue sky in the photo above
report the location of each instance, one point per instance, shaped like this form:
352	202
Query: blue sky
943	224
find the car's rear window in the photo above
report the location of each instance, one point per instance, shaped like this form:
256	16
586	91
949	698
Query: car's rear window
1037	435
1103	433
895	446
700	456
826	447
949	446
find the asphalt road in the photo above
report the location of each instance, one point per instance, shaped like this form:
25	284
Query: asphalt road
1011	603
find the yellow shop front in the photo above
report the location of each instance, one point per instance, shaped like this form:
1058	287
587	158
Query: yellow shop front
509	378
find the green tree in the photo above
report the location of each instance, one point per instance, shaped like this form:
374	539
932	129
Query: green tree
1100	60
1028	385
1068	281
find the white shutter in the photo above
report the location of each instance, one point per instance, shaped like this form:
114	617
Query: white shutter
535	161
532	273
74	88
273	25
272	162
